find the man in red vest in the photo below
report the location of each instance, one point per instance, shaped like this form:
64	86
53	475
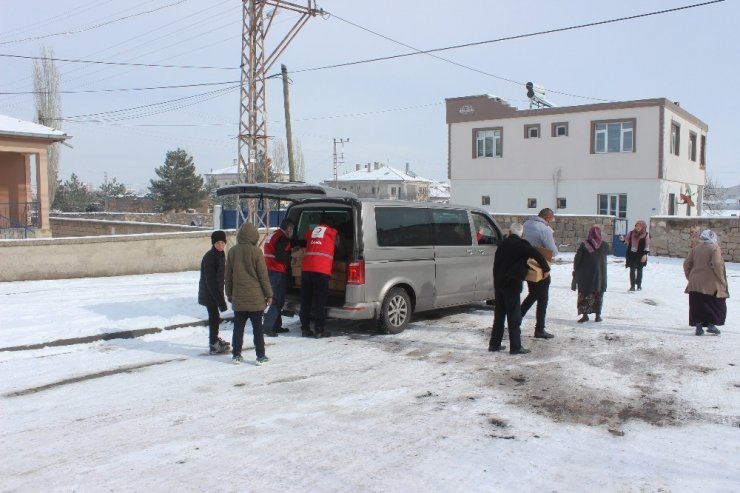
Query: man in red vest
277	258
315	275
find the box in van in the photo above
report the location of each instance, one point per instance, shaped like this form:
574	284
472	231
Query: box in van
394	258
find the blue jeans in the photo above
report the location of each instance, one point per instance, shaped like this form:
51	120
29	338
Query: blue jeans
237	339
279	283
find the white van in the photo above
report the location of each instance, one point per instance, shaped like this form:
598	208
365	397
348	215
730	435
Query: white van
395	257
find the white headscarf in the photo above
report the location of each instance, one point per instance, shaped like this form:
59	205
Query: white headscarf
708	236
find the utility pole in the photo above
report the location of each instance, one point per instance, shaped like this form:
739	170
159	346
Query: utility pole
288	130
338	158
255	64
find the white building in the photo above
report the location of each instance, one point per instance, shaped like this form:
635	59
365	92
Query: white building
230	175
376	180
632	159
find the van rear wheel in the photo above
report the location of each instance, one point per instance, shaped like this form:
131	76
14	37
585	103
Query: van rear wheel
395	313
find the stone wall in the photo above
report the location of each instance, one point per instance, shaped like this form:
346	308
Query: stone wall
182	218
68	227
568	230
673	236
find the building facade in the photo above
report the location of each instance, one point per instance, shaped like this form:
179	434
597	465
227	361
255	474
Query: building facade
631	159
376	180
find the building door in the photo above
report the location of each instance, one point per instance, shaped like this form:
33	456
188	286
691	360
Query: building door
619	249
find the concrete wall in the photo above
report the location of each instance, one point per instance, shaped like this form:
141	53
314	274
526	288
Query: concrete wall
673	236
100	256
568	231
182	218
68	227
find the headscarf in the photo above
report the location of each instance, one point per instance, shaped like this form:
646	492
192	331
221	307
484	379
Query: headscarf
637	234
593	242
708	236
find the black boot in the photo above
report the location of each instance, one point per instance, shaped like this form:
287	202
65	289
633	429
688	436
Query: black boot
542	334
598	317
584	318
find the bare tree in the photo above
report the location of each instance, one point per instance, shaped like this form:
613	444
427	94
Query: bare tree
279	158
48	109
300	168
713	198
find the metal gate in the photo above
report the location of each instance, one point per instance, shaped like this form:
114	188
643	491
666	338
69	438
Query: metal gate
619	249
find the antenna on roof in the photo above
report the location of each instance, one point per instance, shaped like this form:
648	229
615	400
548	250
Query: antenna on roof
536	95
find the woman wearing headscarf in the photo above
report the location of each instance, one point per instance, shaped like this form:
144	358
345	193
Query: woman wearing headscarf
589	274
705	270
638	247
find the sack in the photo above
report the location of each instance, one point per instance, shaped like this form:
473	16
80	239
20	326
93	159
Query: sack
534	272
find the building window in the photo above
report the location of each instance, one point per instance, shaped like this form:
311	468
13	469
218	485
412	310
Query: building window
613	136
488	142
675	138
560	129
671	204
532	203
393	191
692	146
485	200
612	204
532	131
561	203
702	149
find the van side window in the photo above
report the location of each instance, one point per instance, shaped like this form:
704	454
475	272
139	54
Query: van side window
486	232
451	227
402	226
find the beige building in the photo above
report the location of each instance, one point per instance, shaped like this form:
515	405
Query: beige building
23	168
632	159
376	180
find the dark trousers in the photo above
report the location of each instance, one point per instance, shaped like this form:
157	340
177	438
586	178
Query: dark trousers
214	321
314	293
237	339
636	276
539	292
279	283
507	309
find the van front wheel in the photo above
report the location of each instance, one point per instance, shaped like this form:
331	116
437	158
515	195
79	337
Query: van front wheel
395	312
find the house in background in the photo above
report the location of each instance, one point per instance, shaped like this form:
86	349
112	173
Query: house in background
230	175
630	159
376	180
24	148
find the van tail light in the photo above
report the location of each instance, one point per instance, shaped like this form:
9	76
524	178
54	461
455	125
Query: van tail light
356	272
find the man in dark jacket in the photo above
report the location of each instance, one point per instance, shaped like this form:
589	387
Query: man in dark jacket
211	290
509	271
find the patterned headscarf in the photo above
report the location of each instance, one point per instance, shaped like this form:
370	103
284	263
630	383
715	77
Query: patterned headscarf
708	236
637	234
593	242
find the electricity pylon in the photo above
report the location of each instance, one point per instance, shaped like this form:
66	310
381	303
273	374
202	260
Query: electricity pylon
255	64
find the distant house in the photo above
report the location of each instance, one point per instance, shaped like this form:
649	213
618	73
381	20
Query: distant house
630	159
376	180
230	175
23	154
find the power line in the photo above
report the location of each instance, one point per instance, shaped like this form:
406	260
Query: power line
125	89
96	26
154	65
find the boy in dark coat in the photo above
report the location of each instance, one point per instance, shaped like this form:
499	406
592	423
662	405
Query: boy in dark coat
211	290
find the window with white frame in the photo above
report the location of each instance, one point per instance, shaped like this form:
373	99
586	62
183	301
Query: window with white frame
532	131
560	129
675	138
692	146
393	191
613	136
485	200
612	204
488	142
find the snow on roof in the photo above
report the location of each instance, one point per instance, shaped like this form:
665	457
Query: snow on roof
439	190
229	170
383	173
14	127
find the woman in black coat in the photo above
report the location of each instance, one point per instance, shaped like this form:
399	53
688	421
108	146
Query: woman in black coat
589	274
638	248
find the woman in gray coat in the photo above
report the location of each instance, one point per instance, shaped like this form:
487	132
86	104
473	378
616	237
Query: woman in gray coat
589	274
705	270
248	290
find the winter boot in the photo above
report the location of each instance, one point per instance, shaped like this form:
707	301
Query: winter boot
699	330
712	329
584	318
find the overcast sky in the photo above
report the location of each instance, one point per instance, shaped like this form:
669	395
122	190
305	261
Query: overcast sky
391	111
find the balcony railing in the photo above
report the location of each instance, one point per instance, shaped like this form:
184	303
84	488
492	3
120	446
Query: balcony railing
17	215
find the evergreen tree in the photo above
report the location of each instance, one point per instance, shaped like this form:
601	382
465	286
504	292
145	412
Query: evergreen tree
112	188
73	196
178	187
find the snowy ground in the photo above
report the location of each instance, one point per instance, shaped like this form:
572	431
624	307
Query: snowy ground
635	403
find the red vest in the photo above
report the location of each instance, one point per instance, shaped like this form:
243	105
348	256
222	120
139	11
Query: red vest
270	259
319	249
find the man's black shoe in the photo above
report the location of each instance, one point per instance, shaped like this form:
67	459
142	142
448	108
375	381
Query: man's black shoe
543	334
307	333
322	334
521	350
282	330
493	349
270	333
